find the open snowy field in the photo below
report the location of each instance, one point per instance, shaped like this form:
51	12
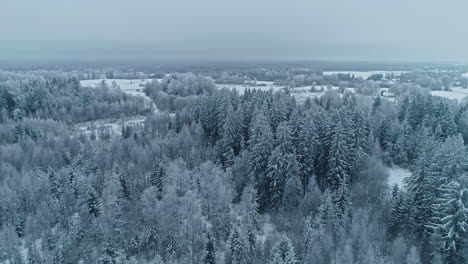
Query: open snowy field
457	93
130	86
302	93
111	126
363	74
266	86
396	175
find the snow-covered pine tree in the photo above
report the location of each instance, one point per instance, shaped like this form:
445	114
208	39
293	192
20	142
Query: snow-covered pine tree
401	220
338	159
341	198
276	174
55	185
292	193
319	232
307	149
92	201
236	248
279	111
210	252
324	126
284	138
230	142
283	252
295	124
158	177
419	188
403	109
261	145
451	221
449	163
157	260
398	151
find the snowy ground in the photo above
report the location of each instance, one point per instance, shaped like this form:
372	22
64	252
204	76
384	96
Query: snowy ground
363	74
302	93
130	86
266	86
396	176
457	93
111	126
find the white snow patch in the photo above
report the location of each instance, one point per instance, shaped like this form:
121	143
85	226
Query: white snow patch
302	93
363	74
396	175
129	86
112	126
260	85
457	93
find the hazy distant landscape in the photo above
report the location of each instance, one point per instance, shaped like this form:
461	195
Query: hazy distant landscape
242	132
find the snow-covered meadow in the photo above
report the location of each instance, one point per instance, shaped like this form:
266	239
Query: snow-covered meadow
396	176
457	93
363	74
259	85
130	86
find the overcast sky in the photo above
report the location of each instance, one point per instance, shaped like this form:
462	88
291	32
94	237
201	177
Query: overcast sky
408	30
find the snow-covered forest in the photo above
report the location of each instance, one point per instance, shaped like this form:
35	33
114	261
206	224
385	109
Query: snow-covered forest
274	164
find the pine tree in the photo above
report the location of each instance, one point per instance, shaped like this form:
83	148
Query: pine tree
279	111
307	149
416	111
401	216
377	103
447	121
277	169
284	138
158	175
324	136
157	260
283	253
210	257
451	221
295	124
342	201
319	232
236	249
403	111
93	202
360	128
55	186
230	143
449	161
338	166
419	188
109	255
399	150
261	144
292	193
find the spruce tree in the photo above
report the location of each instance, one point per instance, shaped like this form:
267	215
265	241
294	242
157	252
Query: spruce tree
277	169
157	176
210	257
236	249
451	221
261	144
283	253
230	143
342	201
338	160
92	201
307	149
